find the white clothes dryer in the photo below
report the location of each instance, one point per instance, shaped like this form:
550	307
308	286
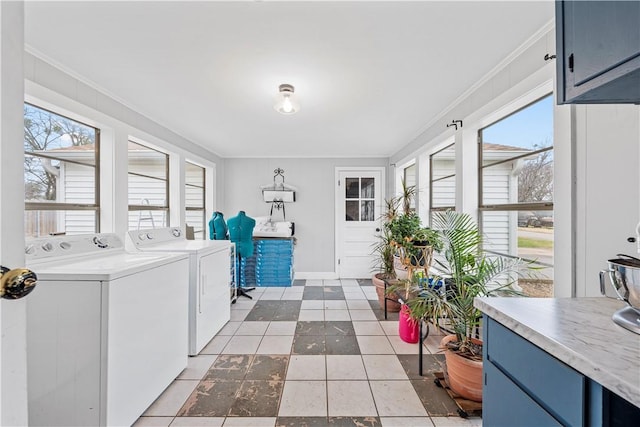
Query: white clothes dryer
209	279
106	329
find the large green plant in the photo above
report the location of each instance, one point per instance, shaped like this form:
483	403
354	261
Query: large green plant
468	273
384	249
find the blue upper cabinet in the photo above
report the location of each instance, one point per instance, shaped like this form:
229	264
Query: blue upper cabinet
598	52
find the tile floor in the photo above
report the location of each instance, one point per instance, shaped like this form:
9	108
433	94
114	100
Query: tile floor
318	353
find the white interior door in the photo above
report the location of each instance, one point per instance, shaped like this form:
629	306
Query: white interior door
358	209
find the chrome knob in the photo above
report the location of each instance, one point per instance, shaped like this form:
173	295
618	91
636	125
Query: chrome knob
47	247
30	250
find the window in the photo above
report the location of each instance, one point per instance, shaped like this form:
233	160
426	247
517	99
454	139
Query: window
516	190
442	180
195	199
148	187
61	174
360	199
410	181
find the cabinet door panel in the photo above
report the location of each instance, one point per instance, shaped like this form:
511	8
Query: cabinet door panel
504	404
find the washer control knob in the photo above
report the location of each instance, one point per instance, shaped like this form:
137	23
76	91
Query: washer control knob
142	236
176	232
149	236
47	247
100	242
65	245
30	250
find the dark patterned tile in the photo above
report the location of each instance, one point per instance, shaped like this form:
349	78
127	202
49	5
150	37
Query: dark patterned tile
269	368
430	363
309	344
229	367
302	422
312	293
257	399
379	312
260	315
299	282
343	327
333	293
354	422
435	400
310	328
211	399
288	310
341	344
365	282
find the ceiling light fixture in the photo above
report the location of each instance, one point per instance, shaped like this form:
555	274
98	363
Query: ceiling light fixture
286	102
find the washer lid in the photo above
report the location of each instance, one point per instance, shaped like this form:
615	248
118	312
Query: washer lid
192	246
107	267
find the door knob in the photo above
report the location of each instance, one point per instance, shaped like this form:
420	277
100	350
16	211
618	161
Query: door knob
16	283
377	230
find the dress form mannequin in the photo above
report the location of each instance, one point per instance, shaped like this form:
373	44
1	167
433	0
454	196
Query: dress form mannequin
218	227
241	233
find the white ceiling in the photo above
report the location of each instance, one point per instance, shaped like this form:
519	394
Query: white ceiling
368	75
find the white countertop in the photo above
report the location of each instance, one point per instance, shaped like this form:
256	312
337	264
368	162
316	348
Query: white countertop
580	333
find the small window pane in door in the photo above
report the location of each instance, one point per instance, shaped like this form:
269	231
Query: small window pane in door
352	187
352	210
367	213
367	187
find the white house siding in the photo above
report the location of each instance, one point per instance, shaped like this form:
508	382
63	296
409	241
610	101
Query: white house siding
77	185
444	191
498	227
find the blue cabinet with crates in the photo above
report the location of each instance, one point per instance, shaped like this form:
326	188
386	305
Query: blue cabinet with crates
270	265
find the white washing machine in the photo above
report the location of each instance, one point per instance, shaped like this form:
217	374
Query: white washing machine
106	329
209	279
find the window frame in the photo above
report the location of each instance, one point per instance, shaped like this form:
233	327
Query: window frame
433	209
61	206
140	207
204	195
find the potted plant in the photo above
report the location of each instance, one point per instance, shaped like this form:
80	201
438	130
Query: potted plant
384	250
468	273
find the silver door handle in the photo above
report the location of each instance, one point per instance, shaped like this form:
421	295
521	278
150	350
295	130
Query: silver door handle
16	283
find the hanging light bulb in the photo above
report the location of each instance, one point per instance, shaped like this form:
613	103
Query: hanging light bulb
286	102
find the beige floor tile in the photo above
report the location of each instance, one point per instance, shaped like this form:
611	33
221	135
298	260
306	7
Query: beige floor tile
250	422
172	399
312	305
406	422
332	282
291	296
307	367
355	296
383	367
374	344
272	294
281	328
401	347
345	367
350	398
252	328
311	315
336	315
304	399
390	327
239	315
362	314
367	327
245	303
230	328
335	305
355	304
242	345
197	422
432	344
280	344
397	398
349	282
314	282
216	345
153	422
197	367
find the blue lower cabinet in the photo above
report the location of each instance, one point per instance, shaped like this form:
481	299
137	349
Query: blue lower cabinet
526	386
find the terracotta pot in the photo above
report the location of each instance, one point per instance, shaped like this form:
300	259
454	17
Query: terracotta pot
464	375
392	306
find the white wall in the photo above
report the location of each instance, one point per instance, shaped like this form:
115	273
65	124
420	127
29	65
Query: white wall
13	359
608	188
313	211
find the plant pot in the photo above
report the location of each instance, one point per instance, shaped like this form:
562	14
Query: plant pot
464	375
407	327
402	272
392	305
